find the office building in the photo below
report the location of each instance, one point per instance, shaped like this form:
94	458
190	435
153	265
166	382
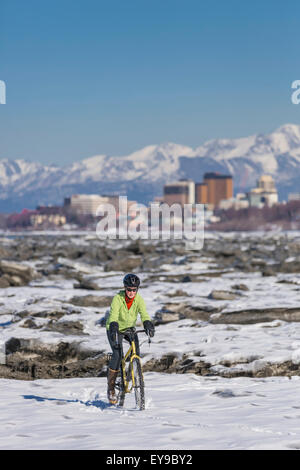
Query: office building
181	192
201	193
264	194
219	187
241	201
87	204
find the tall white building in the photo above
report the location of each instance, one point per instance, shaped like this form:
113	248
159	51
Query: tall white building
265	193
87	204
239	202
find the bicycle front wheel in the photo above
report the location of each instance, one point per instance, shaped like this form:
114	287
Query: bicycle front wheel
139	386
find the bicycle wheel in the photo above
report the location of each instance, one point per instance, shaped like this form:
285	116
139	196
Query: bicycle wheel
139	387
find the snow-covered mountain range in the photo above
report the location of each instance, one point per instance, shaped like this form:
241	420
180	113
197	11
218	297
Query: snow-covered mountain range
141	174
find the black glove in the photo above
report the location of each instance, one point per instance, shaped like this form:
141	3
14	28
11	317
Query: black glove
149	328
113	331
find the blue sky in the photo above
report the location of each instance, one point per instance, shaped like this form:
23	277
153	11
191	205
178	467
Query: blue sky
86	77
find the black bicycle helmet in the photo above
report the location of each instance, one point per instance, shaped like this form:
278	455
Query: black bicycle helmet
131	280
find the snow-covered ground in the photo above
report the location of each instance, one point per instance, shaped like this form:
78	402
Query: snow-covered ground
182	412
253	345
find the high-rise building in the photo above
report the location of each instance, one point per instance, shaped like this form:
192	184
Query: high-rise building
265	192
219	187
201	193
87	203
181	192
266	183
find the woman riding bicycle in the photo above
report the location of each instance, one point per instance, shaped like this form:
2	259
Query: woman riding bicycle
124	309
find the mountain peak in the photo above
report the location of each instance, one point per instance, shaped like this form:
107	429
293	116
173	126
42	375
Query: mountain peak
289	128
246	158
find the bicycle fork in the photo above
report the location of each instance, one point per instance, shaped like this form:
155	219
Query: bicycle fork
132	354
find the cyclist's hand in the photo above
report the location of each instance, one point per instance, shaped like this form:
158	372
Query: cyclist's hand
149	328
113	331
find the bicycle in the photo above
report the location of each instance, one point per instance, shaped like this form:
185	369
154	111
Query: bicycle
130	377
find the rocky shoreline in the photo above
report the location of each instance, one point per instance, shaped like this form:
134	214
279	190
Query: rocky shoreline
217	286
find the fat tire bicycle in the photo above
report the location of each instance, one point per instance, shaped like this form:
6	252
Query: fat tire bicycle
130	376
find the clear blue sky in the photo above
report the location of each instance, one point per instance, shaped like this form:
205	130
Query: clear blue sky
86	77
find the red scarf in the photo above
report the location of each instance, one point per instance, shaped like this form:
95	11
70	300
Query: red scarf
128	301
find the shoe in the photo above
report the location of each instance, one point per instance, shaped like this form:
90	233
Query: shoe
111	380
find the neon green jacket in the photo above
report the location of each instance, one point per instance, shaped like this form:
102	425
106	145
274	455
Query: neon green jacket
126	318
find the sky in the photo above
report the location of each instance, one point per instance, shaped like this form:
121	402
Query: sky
88	77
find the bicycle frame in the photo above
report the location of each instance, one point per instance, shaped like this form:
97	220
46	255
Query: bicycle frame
132	354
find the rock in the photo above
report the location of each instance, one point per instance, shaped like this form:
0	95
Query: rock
288	281
26	273
24	313
202	313
193	312
178	293
66	327
91	301
70	309
222	295
251	316
4	253
268	271
164	364
155	262
13	345
171	363
242	287
28	359
52	314
16	281
139	248
167	316
290	267
86	283
29	323
178	278
4	282
123	264
186	279
13	280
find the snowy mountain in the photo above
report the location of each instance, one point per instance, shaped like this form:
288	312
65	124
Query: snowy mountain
142	173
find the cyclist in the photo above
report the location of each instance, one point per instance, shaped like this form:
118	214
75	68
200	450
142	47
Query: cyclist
124	309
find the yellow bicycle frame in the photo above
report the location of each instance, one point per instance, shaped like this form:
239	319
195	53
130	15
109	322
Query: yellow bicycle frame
134	355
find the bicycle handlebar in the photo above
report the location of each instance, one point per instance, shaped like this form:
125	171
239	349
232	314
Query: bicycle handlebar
130	332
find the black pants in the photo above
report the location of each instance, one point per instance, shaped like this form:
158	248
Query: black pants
118	352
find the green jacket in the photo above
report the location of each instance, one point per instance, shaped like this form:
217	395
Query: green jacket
126	318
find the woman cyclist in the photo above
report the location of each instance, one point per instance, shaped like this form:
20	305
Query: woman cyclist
124	309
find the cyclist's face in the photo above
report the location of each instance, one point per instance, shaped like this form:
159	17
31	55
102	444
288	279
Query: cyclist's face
131	292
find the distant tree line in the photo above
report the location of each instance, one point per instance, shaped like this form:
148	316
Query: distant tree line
285	216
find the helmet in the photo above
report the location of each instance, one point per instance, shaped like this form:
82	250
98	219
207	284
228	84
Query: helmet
131	280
